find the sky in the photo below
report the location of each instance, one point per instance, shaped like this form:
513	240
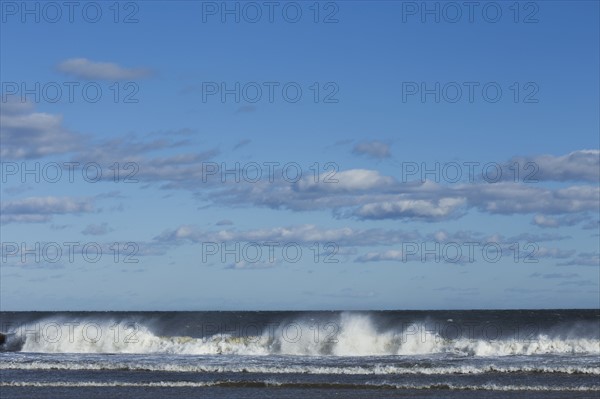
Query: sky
191	155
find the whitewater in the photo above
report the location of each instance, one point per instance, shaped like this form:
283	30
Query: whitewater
550	353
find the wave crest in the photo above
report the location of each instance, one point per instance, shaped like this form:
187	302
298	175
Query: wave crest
354	335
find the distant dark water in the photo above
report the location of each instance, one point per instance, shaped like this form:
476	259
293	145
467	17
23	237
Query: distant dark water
426	354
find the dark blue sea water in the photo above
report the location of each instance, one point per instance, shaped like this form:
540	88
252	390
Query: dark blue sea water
393	354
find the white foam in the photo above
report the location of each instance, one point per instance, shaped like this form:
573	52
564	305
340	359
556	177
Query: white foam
64	384
312	369
354	335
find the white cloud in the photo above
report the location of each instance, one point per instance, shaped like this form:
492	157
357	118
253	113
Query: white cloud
224	222
374	149
302	234
348	180
96	229
554	253
84	68
367	194
41	209
581	165
391	255
26	134
583	259
509	198
545	221
409	208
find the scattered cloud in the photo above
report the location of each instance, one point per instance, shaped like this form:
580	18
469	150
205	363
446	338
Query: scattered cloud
591	225
581	165
83	68
96	229
444	208
18	189
224	222
391	255
352	180
26	134
367	194
374	149
59	226
527	291
545	221
554	253
260	264
579	283
555	275
41	209
301	234
241	143
510	198
583	259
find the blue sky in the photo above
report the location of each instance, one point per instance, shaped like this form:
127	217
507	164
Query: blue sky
387	93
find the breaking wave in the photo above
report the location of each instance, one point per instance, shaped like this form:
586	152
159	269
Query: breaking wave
352	335
298	369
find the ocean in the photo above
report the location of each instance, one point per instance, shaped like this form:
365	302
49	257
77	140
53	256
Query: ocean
370	354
